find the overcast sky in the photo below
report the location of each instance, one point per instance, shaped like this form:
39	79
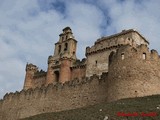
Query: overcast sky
29	29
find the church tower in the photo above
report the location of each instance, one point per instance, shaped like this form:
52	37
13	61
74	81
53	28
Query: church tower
64	55
66	46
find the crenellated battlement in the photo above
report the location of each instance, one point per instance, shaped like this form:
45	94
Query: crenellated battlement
79	64
135	71
95	50
31	67
39	74
57	86
29	93
140	53
55	97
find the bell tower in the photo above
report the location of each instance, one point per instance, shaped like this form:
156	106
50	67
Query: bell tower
66	46
64	55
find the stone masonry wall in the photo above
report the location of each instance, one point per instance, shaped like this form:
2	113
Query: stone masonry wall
79	72
65	71
39	81
133	72
138	74
71	95
97	55
98	63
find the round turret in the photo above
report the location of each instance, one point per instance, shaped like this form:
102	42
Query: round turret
133	72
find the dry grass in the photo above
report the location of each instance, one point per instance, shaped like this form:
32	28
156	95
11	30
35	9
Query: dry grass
110	110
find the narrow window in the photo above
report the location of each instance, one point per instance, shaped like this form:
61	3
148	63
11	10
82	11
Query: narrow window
59	49
66	37
66	46
144	56
122	56
96	62
110	57
56	76
136	93
62	38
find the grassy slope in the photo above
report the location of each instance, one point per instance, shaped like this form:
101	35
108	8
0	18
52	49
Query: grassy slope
99	111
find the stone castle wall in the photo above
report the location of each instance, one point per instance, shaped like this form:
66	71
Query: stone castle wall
78	72
133	72
38	81
59	97
78	69
123	67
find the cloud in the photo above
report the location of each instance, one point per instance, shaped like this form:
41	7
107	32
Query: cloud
141	15
29	29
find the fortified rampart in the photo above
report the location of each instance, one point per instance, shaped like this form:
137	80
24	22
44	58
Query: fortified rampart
133	72
53	98
118	66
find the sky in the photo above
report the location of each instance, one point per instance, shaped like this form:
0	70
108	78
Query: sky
29	29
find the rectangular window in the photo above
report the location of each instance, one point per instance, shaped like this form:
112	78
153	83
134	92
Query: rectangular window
144	56
122	56
59	49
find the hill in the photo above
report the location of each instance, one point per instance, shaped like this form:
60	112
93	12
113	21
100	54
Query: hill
141	108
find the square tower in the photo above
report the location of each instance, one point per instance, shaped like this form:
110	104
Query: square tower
64	55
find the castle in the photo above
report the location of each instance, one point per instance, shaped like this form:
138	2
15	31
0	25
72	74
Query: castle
64	66
118	66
